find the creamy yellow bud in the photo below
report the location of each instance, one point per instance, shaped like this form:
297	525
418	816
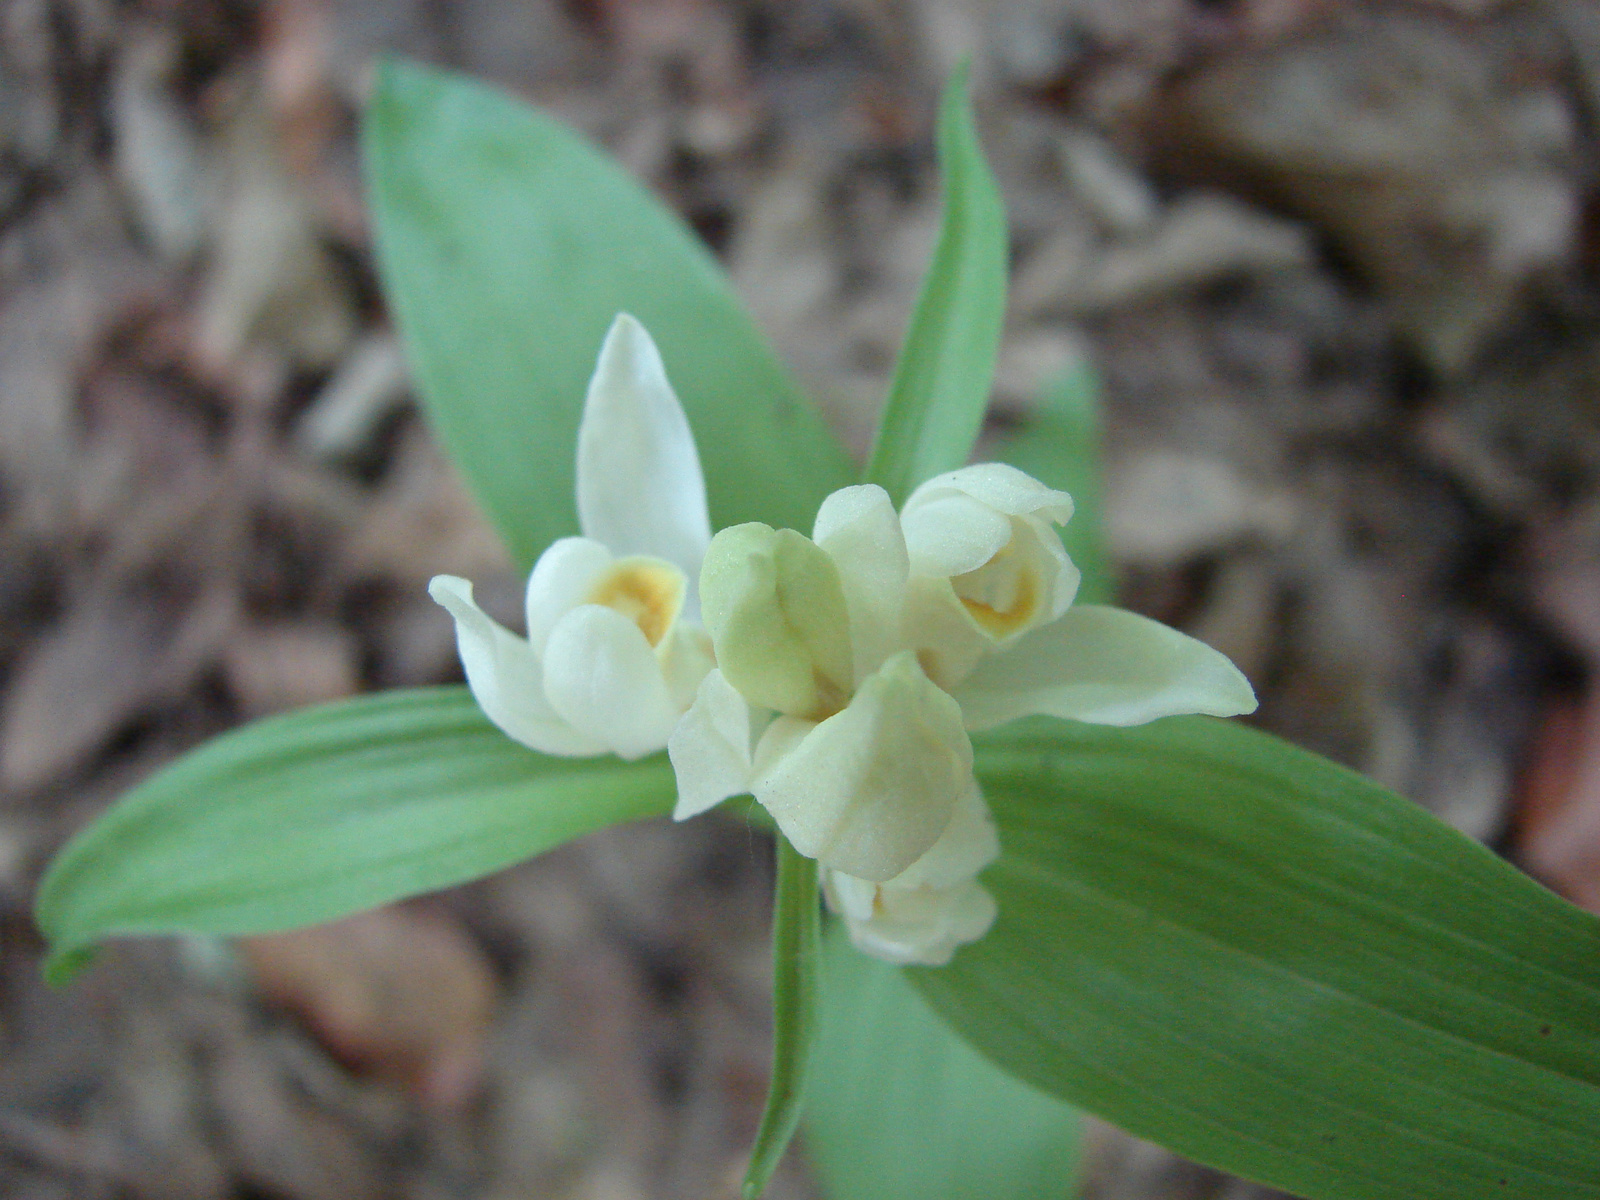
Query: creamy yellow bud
775	609
870	790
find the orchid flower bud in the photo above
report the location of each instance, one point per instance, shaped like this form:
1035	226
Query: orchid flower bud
870	789
986	563
776	613
935	905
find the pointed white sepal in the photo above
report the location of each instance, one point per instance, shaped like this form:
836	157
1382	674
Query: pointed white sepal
640	489
506	677
1105	666
711	748
613	655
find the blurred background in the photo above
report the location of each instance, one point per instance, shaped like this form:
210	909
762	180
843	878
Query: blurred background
1332	269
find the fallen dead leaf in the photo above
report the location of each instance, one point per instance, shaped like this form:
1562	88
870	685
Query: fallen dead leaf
281	1143
424	523
285	665
1435	155
108	660
1166	506
400	992
1558	825
270	279
159	157
368	385
1201	240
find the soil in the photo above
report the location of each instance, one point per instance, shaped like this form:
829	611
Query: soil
1336	266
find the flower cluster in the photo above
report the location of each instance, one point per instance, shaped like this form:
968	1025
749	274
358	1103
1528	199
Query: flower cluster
837	677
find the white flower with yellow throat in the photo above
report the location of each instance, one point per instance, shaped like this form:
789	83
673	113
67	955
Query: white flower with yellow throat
614	650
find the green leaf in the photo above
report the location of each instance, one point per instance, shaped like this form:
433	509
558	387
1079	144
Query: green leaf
941	383
306	817
507	244
1272	965
903	1109
1059	444
796	955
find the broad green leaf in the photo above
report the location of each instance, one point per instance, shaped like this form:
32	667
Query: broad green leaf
1059	444
306	817
1273	965
507	244
941	382
796	960
900	1108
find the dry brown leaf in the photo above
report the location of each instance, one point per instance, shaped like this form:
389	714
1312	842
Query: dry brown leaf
84	276
108	660
270	279
1201	240
401	992
159	157
1436	155
1568	594
1164	507
269	668
424	523
282	1144
370	384
1558	833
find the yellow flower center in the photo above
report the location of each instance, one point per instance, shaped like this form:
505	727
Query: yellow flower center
648	591
1002	596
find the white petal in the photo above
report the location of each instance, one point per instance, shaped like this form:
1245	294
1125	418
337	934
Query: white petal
505	675
951	534
869	790
859	530
778	740
921	926
1105	666
947	640
602	676
1028	583
640	490
561	580
686	657
711	748
1001	487
968	844
848	896
943	527
1052	564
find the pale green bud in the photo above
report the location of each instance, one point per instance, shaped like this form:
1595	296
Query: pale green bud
870	790
774	607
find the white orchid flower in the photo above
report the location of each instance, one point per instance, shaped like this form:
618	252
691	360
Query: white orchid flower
986	563
852	665
816	706
932	907
614	652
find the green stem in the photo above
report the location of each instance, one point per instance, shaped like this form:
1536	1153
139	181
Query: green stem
796	950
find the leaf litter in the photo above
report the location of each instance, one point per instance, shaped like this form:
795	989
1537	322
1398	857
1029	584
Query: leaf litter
1334	265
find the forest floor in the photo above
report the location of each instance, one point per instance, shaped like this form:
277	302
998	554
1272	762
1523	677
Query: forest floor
1336	266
